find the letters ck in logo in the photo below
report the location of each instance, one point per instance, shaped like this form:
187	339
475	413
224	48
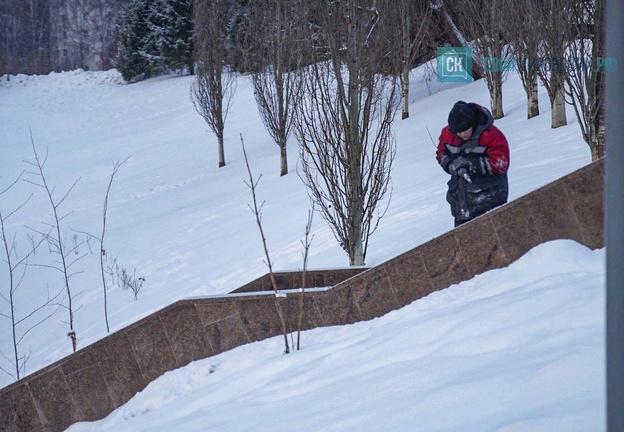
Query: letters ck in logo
454	64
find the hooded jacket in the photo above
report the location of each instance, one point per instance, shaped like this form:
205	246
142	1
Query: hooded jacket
488	153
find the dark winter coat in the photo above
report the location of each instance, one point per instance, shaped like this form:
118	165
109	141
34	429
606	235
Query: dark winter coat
488	153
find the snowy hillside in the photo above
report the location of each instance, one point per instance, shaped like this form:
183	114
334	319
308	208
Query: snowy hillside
184	224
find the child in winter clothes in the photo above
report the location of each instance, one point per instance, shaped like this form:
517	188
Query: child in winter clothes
476	155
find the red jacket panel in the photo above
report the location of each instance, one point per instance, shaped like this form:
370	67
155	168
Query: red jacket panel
497	148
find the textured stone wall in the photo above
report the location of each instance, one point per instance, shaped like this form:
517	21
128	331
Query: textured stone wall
99	378
292	279
94	381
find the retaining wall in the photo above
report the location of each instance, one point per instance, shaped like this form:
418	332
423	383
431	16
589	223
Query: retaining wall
94	381
292	279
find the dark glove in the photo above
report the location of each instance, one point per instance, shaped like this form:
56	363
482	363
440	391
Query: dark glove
479	166
445	161
461	167
459	163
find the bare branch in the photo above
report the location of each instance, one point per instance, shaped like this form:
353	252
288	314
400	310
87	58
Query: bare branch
56	239
12	184
306	243
18	362
116	166
256	211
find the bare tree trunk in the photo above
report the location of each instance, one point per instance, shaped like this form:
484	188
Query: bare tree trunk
221	145
599	148
532	99
405	93
116	167
525	36
552	25
554	88
283	160
596	152
354	145
558	112
406	58
306	249
409	39
496	98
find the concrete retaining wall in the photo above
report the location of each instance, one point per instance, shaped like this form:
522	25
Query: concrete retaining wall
94	381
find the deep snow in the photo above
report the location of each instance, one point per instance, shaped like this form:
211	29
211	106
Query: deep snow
514	349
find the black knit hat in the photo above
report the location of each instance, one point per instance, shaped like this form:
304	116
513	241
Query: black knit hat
462	117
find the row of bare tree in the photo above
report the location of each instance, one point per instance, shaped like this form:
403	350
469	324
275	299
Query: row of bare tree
324	71
332	72
559	43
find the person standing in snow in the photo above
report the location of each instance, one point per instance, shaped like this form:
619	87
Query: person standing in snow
476	155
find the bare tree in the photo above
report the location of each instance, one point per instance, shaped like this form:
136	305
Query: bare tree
306	243
277	45
485	20
116	166
413	20
213	87
257	211
585	78
55	237
525	42
344	124
553	24
105	262
441	14
21	324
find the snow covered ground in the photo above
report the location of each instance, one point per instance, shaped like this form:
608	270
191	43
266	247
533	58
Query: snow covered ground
517	349
520	348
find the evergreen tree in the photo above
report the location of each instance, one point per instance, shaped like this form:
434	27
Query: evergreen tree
155	36
153	40
132	32
239	41
177	37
